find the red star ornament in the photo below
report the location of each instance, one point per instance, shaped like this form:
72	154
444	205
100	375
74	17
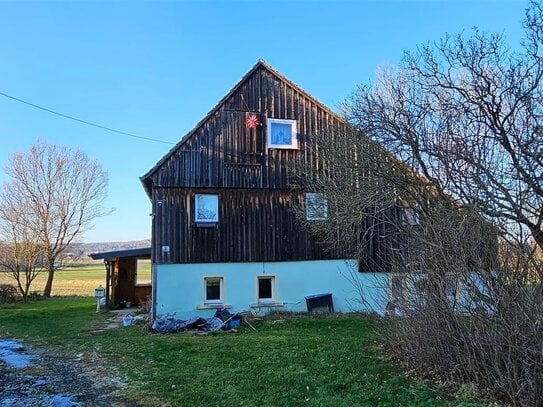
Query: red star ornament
252	121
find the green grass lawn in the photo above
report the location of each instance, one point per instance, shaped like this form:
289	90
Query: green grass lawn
301	361
79	280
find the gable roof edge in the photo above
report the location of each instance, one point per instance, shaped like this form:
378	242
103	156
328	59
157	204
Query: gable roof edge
260	63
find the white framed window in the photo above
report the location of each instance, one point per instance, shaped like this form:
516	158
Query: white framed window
266	289
282	134
316	206
411	217
206	208
213	290
450	285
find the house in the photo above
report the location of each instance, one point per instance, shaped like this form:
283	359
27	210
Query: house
224	233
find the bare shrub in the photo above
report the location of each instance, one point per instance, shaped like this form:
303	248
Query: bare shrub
452	209
469	296
8	294
472	324
20	259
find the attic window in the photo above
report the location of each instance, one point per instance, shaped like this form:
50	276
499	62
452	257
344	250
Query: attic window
206	208
316	206
282	134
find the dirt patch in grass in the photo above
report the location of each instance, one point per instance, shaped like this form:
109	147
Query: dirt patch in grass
37	377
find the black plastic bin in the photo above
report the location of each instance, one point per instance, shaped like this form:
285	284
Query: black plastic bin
320	303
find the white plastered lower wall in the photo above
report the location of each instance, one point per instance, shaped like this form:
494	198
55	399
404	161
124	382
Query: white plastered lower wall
180	287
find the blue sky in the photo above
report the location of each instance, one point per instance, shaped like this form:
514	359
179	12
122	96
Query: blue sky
156	68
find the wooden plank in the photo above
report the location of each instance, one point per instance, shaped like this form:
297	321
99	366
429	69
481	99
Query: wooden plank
225	157
254	225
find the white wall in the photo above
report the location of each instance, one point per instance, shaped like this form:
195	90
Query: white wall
180	287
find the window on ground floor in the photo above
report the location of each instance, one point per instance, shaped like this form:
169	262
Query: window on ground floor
266	287
397	289
213	290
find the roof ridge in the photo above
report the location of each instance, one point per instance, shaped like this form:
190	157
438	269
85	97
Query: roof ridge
299	89
260	62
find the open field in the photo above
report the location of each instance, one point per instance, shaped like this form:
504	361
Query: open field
290	361
80	280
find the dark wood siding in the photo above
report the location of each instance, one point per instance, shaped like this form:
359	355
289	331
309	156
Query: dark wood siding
383	239
254	225
222	155
214	155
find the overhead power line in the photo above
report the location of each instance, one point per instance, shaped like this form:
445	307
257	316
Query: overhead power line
84	121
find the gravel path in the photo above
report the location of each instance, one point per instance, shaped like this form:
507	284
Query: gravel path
35	377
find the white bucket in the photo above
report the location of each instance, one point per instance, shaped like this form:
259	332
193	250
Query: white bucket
128	320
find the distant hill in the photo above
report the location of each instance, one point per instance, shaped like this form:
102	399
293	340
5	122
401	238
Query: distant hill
78	253
82	250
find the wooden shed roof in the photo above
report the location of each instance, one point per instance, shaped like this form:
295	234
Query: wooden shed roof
144	252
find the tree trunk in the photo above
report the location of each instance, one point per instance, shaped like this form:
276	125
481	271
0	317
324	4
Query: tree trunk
50	276
28	283
537	234
17	276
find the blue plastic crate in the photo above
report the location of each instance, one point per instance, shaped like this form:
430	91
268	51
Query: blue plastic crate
234	323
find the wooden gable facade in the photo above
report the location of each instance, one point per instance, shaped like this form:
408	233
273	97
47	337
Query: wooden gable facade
224	156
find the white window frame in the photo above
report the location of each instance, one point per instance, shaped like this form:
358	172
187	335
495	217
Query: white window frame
313	196
450	286
265	300
294	134
411	216
215	219
221	290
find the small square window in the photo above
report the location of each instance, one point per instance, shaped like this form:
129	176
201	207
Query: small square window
450	286
316	206
282	133
213	290
411	217
206	208
266	289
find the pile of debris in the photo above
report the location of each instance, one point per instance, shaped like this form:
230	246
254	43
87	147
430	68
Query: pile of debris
222	320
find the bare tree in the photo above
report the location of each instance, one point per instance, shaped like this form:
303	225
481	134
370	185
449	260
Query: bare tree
60	192
471	299
466	113
439	181
20	253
